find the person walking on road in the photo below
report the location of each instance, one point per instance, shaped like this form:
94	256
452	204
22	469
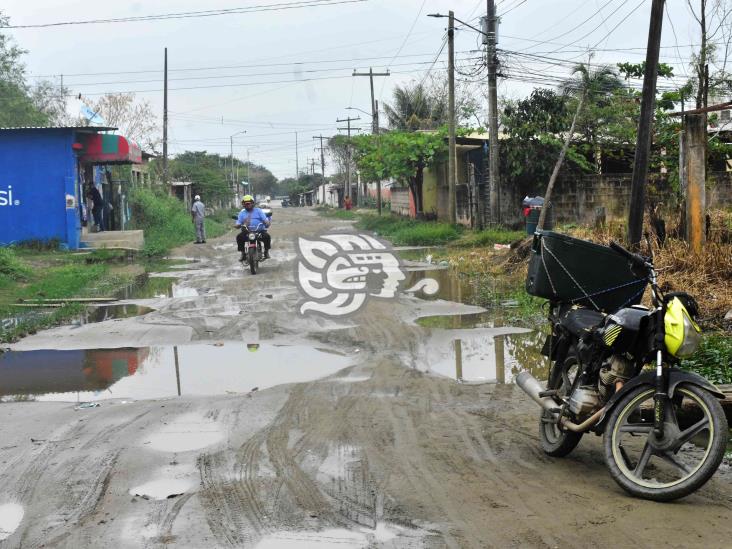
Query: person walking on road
198	213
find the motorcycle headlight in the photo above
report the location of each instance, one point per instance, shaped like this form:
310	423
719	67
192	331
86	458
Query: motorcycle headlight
252	236
683	335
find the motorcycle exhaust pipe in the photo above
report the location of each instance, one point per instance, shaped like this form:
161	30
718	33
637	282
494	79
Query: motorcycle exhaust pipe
531	386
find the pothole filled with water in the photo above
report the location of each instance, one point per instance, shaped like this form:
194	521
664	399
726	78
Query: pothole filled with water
90	375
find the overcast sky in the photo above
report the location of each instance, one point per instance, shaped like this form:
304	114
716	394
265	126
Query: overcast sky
274	73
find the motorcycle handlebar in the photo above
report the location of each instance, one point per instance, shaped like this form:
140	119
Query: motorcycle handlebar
635	259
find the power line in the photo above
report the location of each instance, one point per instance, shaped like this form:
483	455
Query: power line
192	14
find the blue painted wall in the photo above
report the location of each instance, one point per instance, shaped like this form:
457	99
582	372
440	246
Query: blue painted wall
38	169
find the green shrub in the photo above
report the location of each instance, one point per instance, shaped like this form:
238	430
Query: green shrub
488	237
713	359
165	221
11	267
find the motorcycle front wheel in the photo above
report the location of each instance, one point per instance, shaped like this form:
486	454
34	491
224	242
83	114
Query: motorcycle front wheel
688	454
252	261
555	441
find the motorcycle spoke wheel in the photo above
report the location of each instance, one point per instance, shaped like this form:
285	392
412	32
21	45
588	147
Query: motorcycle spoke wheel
555	441
676	464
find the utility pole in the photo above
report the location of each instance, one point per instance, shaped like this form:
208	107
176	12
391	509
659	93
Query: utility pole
322	161
452	156
297	165
165	122
374	119
643	145
493	175
347	192
695	144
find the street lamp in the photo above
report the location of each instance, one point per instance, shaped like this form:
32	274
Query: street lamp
234	186
458	20
357	109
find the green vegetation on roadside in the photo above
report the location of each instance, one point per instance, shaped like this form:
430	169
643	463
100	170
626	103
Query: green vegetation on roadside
713	359
28	274
166	222
409	232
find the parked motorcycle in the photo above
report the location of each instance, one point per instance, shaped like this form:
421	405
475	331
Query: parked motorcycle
615	369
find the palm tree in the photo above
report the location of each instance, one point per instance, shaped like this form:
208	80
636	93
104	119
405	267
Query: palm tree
414	108
590	86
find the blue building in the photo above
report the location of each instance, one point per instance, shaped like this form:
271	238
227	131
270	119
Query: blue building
44	175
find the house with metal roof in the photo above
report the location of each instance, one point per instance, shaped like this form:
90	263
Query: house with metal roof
45	175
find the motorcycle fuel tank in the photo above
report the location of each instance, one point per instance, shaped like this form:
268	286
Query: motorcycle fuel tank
620	330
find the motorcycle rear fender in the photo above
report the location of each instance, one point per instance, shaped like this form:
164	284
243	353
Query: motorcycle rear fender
676	376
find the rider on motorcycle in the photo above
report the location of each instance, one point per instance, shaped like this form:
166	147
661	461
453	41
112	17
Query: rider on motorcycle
251	218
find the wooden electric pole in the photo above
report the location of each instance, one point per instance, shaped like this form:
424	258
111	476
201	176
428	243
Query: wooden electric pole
374	119
493	176
645	123
165	122
451	159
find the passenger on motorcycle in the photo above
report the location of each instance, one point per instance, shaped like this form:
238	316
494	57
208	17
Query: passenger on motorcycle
251	218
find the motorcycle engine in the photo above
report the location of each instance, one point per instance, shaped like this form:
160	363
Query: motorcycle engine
615	368
584	400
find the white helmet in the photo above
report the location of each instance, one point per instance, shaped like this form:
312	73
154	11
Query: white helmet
196	197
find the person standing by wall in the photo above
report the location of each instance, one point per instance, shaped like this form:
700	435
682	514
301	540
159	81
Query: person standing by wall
198	213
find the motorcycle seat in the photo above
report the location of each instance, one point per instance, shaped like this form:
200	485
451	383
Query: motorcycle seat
580	321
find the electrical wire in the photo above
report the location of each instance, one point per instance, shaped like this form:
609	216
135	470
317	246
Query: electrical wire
193	14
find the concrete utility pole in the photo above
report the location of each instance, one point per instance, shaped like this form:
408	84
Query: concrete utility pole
374	119
347	192
322	161
695	142
297	164
643	145
452	156
165	122
492	59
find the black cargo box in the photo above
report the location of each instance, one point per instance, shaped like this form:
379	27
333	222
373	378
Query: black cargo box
568	270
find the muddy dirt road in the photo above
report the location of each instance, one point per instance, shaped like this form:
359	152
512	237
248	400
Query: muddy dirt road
300	432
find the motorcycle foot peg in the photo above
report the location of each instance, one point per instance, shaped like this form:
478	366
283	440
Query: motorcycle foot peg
548	393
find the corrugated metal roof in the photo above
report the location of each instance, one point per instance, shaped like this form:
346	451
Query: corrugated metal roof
88	128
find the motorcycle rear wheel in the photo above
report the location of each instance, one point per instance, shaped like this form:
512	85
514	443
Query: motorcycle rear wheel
693	445
555	441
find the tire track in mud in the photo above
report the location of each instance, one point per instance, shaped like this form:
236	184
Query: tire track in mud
86	504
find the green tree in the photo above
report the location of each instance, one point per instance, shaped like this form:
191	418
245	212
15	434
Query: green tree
401	156
413	109
16	104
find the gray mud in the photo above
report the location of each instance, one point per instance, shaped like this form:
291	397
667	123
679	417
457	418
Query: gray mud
377	445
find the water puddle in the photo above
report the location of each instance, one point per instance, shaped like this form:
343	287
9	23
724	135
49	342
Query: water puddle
148	287
162	489
481	355
91	375
453	287
115	311
11	515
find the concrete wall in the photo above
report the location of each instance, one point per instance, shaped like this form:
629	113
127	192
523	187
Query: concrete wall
38	168
400	200
575	198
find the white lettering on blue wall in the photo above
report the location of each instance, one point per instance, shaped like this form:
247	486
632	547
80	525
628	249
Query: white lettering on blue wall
6	197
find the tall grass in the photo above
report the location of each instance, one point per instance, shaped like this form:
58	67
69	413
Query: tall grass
11	268
166	222
409	232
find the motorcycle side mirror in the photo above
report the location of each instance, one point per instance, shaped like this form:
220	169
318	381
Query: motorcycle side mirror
269	214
